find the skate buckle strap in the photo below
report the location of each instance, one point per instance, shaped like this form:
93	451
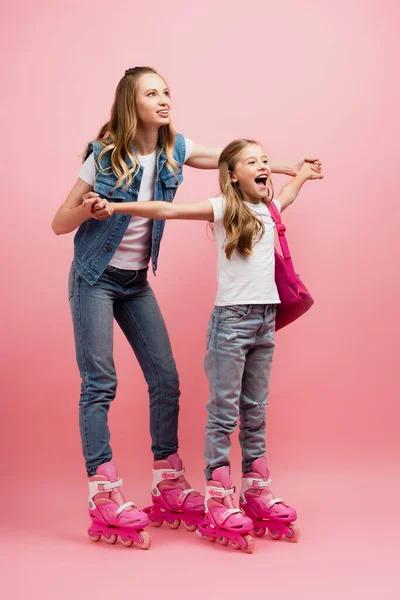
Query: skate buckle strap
171	473
183	495
124	507
228	513
108	485
260	483
216	492
275	501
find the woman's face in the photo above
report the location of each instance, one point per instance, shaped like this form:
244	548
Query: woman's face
153	102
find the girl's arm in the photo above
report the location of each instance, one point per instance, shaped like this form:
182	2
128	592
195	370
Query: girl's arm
289	193
198	211
72	212
207	158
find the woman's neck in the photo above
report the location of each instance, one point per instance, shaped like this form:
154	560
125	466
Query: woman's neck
146	140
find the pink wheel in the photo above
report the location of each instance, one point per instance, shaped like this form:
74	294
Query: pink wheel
235	545
275	535
259	531
223	540
294	534
189	526
249	541
94	537
144	542
155	523
111	538
174	523
126	542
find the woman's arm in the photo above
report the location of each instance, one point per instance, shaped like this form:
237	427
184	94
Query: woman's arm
202	157
290	191
73	212
198	211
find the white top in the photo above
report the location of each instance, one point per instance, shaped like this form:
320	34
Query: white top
246	279
134	249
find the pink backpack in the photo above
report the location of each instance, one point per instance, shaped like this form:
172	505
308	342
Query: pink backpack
294	296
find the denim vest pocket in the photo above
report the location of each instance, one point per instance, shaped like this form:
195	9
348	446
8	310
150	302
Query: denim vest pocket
171	184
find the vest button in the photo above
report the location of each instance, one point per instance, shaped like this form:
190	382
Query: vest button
110	193
124	218
90	276
109	249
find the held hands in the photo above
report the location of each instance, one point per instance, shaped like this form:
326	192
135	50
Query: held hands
314	163
308	171
97	208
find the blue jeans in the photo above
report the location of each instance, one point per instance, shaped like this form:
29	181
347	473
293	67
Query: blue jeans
240	346
127	297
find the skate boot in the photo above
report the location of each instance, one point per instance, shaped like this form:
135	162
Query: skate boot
174	501
266	511
223	521
111	515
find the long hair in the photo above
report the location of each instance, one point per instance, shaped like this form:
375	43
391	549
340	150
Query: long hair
242	227
118	133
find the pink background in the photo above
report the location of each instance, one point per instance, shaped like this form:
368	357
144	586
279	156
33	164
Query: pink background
302	77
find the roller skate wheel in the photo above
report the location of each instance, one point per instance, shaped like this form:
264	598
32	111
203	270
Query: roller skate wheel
110	538
275	535
144	542
94	537
249	544
126	542
174	523
259	531
223	540
235	545
155	523
189	526
294	534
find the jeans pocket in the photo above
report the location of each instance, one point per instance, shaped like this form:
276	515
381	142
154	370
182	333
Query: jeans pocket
71	283
234	313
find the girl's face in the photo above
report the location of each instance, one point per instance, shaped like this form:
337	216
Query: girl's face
251	173
153	102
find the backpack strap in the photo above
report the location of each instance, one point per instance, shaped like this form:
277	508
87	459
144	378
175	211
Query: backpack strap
281	228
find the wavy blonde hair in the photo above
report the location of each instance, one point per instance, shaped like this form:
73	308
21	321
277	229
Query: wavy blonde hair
242	227
118	133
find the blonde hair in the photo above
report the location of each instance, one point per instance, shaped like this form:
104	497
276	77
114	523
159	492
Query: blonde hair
243	228
118	133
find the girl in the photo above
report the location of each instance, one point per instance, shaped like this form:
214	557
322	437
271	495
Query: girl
136	156
240	337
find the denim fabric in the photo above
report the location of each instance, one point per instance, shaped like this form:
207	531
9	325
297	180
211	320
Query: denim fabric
240	347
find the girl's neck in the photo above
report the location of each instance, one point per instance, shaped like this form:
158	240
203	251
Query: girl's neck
146	140
252	200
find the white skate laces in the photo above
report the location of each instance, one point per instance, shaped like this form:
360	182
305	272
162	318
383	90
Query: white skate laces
160	475
106	486
255	483
218	492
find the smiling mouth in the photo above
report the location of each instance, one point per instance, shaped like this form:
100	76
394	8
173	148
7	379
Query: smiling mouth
261	180
163	113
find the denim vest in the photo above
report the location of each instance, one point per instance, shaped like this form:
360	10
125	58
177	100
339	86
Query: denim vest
96	241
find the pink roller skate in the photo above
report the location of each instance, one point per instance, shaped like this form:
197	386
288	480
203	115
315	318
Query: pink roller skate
266	511
223	522
173	498
111	515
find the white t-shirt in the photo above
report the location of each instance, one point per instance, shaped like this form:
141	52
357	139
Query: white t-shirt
134	249
246	279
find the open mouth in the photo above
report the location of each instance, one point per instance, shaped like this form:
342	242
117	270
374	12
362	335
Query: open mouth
261	181
163	113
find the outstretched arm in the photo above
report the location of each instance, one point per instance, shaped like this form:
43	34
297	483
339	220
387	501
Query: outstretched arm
197	211
207	158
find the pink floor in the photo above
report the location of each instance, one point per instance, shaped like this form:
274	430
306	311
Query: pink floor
349	546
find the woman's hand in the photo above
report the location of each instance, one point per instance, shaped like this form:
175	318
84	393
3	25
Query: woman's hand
308	171
315	164
98	208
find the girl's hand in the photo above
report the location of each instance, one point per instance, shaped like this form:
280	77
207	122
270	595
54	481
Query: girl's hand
309	172
314	162
89	200
102	209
